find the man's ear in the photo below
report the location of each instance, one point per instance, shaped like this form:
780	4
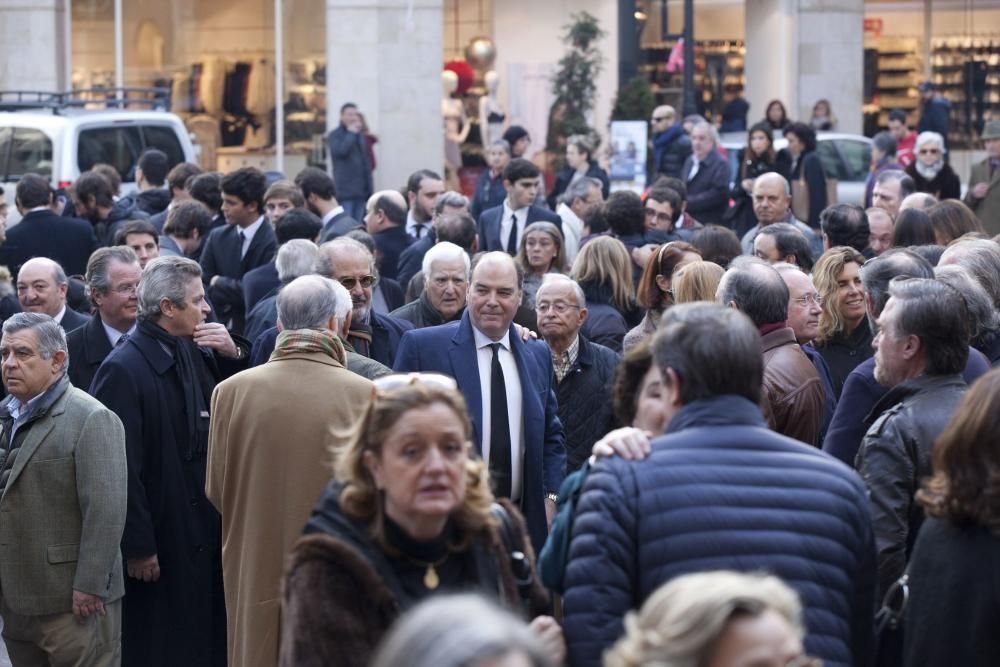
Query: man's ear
672	385
913	347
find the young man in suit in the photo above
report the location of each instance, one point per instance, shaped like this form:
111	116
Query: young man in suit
321	198
44	233
501	227
423	188
244	243
41	288
63	499
508	385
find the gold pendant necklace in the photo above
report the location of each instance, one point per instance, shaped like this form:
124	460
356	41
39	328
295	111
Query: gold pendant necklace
431	578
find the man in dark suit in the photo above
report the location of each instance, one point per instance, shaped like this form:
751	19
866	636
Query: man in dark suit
321	199
112	282
385	220
43	233
372	334
263	281
501	227
411	259
508	385
706	174
423	188
41	288
245	243
352	170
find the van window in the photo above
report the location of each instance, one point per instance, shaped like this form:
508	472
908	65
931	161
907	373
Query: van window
164	138
24	150
118	146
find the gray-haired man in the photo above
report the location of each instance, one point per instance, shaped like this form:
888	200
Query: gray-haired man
63	490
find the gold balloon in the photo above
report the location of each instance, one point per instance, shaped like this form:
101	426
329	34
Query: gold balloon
481	52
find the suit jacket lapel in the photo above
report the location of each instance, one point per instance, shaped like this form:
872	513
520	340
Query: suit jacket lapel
494	240
39	430
96	344
464	360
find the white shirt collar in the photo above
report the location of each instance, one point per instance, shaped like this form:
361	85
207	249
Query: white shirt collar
482	340
37	208
411	224
114	334
332	213
59	315
250	230
507	210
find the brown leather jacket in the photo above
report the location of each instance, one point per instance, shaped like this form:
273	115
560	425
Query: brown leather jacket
792	396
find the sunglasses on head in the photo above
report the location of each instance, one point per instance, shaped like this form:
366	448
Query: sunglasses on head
388	383
350	282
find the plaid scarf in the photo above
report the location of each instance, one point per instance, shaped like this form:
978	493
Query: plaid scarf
309	341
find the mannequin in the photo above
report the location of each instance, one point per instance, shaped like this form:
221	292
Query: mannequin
456	127
492	119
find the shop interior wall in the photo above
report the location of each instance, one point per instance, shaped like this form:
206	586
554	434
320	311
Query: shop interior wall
528	37
909	22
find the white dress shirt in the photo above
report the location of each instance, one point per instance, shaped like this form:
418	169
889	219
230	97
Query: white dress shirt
331	214
695	164
248	234
506	220
411	226
512	382
60	314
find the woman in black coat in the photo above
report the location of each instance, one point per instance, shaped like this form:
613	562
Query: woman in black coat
756	159
579	163
807	167
954	603
930	173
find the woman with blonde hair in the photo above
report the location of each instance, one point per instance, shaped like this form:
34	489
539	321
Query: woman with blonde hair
409	513
603	269
697	281
954	584
714	619
845	337
541	252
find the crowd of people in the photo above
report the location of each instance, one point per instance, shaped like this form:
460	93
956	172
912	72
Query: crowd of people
249	422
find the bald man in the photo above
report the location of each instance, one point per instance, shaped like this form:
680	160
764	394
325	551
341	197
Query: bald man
41	288
772	201
385	220
671	145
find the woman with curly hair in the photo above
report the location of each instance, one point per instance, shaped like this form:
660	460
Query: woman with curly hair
954	582
845	337
408	514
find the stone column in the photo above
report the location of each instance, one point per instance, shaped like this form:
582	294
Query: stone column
386	56
32	47
800	51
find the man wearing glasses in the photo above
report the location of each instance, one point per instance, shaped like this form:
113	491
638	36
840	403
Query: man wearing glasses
112	278
671	145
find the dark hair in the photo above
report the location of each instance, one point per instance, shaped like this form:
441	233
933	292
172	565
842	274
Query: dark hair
91	184
964	489
663	263
756	289
417	177
136	227
906	184
898	115
936	313
178	177
315	181
717	244
185	217
845	225
248	184
951	219
519	168
675	184
513	134
912	227
457	228
790	241
668	195
714	351
207	188
749	157
886	143
33	191
347	105
803	133
596	220
154	165
392	210
929	251
297	223
878	272
110	174
625	213
784	114
628	378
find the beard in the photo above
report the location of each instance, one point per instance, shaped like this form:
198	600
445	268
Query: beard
931	172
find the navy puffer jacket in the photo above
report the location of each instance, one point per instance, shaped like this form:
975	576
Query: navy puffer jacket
721	491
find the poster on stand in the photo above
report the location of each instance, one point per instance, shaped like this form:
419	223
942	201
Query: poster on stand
628	155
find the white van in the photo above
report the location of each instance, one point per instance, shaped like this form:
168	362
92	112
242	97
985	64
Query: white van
52	135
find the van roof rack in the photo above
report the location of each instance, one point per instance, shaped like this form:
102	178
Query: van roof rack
154	99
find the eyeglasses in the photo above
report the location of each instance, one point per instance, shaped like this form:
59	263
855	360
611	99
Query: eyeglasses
559	307
806	299
930	151
126	289
388	383
350	282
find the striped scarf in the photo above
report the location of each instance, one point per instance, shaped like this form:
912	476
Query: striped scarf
309	341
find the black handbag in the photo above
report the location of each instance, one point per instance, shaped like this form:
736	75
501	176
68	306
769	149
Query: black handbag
519	563
889	623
